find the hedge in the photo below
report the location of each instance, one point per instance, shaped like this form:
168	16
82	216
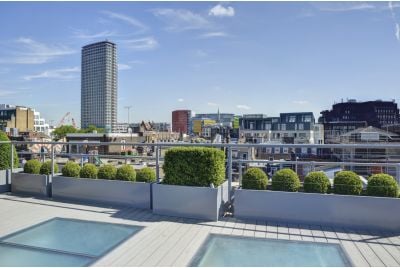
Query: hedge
347	183
194	166
45	169
254	178
382	185
71	169
32	166
107	172
316	182
126	173
89	171
285	180
146	174
5	153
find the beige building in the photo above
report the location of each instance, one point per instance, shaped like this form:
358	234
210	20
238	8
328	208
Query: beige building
17	117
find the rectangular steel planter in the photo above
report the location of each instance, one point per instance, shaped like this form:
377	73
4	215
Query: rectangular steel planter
31	184
5	185
362	212
190	202
135	194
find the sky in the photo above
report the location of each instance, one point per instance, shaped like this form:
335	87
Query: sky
240	57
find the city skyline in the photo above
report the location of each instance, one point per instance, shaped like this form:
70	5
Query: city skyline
241	57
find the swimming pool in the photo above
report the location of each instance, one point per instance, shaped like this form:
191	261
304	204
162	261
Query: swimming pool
222	251
62	242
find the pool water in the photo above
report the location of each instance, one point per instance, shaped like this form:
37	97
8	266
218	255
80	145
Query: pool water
222	251
62	242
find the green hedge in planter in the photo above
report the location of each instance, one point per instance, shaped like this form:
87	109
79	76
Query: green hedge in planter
32	166
285	180
348	183
71	169
316	182
382	185
126	173
194	166
89	171
255	178
146	174
5	153
45	169
107	172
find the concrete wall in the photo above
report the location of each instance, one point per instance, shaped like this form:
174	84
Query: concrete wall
135	194
362	212
31	184
190	202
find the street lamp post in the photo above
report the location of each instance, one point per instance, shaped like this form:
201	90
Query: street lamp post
128	108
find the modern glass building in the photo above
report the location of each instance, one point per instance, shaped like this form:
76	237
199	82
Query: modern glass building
99	85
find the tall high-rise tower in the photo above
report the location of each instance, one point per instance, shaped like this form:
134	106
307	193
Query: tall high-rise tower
99	85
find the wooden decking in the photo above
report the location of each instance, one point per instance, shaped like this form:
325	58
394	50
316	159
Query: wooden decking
171	241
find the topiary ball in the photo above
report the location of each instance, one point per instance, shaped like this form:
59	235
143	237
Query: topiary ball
89	171
316	182
45	169
126	173
347	183
71	169
146	174
285	180
382	185
254	178
107	172
32	166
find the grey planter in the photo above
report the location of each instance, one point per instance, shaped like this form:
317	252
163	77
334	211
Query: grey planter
190	202
135	194
30	184
362	212
5	185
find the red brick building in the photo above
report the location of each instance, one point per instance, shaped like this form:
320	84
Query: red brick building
181	121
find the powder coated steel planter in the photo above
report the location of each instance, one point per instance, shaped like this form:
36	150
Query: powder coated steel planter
190	202
5	185
31	184
115	192
362	212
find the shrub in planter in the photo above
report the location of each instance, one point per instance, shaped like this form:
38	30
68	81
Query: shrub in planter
255	178
107	172
316	182
347	182
5	153
126	173
32	166
45	169
285	180
71	169
89	171
194	166
382	185
146	174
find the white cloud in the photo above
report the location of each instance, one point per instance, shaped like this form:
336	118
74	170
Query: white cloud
181	19
28	51
84	35
127	19
212	104
201	53
221	11
66	73
6	93
397	32
243	107
180	100
300	102
122	67
145	43
213	34
345	6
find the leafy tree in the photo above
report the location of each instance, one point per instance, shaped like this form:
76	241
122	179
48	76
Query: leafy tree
90	129
5	153
62	131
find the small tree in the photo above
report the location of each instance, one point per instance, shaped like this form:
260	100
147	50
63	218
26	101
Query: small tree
126	173
62	131
71	169
285	180
45	169
316	182
255	178
146	174
5	153
347	183
32	166
89	171
107	172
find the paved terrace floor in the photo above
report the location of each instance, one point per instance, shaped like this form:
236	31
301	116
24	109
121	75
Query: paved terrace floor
171	241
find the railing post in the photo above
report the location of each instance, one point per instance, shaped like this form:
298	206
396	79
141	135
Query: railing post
398	173
157	163
240	174
52	160
230	173
12	157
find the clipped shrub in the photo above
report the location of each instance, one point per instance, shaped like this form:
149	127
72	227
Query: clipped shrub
45	169
285	180
348	183
88	171
194	166
32	166
71	169
316	182
382	185
126	173
254	178
107	172
146	174
5	153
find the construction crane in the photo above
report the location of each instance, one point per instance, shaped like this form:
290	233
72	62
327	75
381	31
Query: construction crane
63	119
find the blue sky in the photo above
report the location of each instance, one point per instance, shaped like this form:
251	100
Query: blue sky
243	57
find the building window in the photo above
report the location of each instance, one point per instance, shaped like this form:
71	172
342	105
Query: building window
292	119
300	126
283	126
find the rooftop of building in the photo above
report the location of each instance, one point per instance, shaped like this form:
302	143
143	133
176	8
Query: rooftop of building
99	43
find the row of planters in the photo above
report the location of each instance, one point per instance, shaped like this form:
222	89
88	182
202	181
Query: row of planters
348	206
